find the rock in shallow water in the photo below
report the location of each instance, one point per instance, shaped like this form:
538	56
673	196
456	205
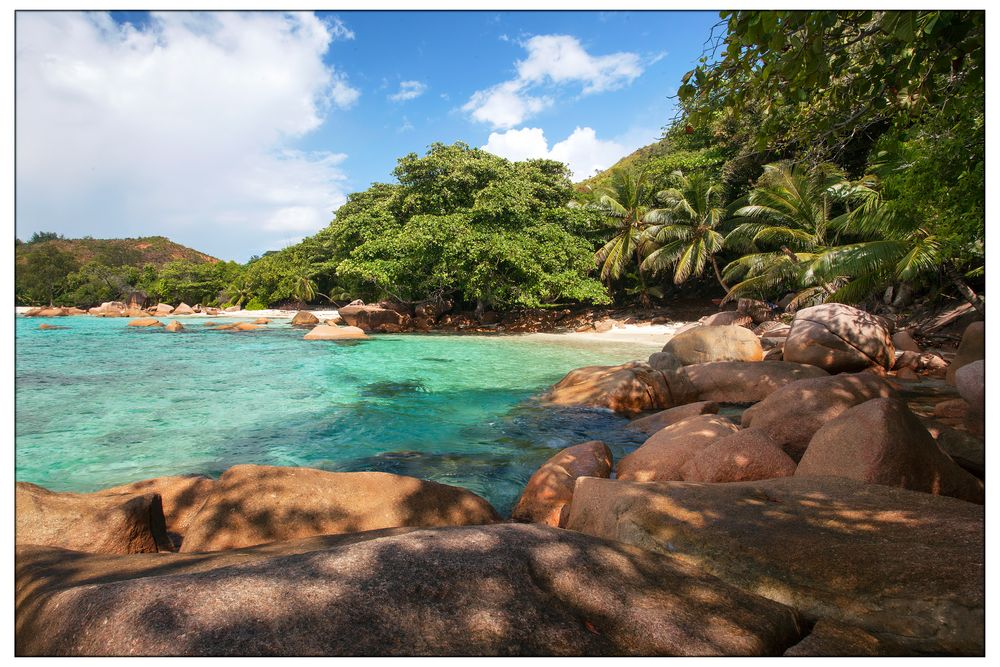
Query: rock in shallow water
884	559
483	590
550	489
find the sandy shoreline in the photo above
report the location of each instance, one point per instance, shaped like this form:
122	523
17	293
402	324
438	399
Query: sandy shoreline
655	335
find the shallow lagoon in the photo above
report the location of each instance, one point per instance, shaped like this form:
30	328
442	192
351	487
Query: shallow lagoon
101	404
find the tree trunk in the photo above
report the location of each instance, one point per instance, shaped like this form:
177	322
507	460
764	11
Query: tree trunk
964	289
718	275
643	295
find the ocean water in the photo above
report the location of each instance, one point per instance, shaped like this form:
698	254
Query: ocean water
100	404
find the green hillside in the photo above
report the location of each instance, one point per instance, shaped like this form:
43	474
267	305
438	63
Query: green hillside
156	250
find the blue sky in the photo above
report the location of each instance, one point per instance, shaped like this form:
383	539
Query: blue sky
237	133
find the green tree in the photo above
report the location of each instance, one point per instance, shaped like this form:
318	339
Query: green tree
685	230
41	277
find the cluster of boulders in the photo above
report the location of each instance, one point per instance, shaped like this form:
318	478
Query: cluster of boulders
120	309
835	462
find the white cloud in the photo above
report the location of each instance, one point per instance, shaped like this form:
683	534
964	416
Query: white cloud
179	128
552	60
408	90
337	29
505	105
582	151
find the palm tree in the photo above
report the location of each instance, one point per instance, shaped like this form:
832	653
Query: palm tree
304	290
626	201
684	230
791	211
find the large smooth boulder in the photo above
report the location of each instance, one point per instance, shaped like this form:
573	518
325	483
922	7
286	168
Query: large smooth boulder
744	456
182	496
628	389
183	309
839	339
791	415
882	442
375	318
174	326
728	318
145	322
664	361
304	318
504	589
745	382
652	423
663	455
715	343
549	492
46	312
163	309
332	332
971	348
970	380
253	504
115	524
884	559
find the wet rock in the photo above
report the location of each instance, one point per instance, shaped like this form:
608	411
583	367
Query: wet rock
744	456
174	326
261	320
663	455
792	414
50	327
653	423
839	339
971	348
715	343
550	490
255	504
884	559
116	524
882	442
505	589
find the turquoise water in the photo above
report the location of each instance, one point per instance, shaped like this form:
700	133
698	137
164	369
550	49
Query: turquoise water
100	404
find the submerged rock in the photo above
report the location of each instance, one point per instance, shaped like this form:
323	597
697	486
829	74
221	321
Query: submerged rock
480	590
115	524
255	504
550	490
884	559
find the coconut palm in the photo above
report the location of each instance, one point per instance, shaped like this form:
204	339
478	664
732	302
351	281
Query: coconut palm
685	230
785	224
627	202
304	290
